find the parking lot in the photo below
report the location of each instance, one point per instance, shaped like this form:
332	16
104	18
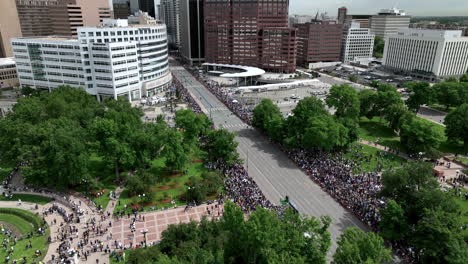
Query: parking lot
286	99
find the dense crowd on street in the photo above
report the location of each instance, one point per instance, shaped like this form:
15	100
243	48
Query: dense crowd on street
335	174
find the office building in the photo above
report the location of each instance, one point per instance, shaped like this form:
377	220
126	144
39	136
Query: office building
121	9
342	14
318	41
429	54
250	33
388	21
192	31
345	18
298	19
9	26
113	60
35	18
147	6
170	14
358	43
68	15
8	76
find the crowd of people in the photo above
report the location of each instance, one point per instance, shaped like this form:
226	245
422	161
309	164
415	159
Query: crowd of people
335	174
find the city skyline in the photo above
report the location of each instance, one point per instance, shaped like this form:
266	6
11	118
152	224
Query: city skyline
414	8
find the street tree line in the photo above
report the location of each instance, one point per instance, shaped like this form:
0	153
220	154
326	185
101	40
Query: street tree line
263	237
312	126
54	136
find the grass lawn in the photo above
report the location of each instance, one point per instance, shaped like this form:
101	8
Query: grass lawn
464	208
104	185
465	160
170	186
372	159
441	108
21	227
31	198
376	128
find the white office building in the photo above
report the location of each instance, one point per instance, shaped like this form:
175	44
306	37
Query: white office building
388	21
109	61
427	53
358	43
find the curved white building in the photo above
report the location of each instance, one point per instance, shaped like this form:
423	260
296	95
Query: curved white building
112	60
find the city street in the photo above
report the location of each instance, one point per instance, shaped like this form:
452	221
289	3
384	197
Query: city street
276	175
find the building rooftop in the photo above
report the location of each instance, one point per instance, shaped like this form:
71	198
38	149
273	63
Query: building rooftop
248	71
430	33
51	38
7	61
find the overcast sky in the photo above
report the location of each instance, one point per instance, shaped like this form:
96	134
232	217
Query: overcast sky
412	7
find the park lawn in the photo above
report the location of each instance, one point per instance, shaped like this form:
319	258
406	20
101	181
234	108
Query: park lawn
31	198
464	211
461	159
370	158
37	241
170	186
104	176
441	108
376	128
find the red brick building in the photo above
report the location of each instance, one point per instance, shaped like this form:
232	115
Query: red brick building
318	41
252	33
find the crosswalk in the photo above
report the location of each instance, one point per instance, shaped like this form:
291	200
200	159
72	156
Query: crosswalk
218	109
232	126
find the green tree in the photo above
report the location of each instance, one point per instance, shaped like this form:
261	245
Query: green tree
367	103
456	123
374	84
353	78
326	133
393	224
450	94
420	93
379	45
174	149
268	118
193	124
464	78
221	147
308	107
356	246
396	115
419	135
345	100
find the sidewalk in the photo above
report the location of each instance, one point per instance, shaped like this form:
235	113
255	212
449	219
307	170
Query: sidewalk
384	148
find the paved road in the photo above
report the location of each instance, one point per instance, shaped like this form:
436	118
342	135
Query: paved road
275	174
433	115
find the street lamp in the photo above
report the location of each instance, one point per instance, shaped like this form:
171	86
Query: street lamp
144	234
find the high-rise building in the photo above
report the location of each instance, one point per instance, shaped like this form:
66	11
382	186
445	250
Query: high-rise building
298	19
358	43
8	75
192	27
251	33
170	14
429	54
318	41
68	15
388	21
9	26
121	9
35	18
109	61
342	14
147	6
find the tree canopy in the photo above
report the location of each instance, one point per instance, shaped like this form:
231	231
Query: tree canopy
261	238
456	123
345	100
356	246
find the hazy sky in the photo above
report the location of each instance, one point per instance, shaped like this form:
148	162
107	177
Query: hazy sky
412	7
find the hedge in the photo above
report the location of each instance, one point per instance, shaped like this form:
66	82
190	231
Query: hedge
35	220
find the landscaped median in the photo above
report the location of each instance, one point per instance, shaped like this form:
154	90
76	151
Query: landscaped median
24	236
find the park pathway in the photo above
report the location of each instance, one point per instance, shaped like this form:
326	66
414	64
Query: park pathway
147	228
384	148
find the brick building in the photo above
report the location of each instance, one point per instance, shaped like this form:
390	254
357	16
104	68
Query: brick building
318	41
252	33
